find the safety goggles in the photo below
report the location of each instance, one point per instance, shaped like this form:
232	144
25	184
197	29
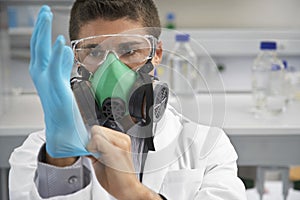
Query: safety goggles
132	49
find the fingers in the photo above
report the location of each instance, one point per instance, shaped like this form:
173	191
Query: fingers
43	42
67	63
57	56
35	32
61	63
40	44
104	140
115	150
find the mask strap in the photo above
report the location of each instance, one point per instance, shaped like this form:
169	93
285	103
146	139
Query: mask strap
148	67
85	74
142	92
86	102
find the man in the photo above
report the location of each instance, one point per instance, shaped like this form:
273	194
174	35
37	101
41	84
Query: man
160	156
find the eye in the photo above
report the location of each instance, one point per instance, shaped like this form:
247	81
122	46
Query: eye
127	49
127	52
95	52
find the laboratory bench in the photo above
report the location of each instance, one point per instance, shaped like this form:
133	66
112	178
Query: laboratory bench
265	142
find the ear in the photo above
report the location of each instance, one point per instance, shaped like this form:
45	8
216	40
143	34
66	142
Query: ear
158	54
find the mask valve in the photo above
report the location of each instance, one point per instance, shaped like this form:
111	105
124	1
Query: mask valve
113	108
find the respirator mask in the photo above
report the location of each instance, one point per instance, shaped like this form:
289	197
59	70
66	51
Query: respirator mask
115	88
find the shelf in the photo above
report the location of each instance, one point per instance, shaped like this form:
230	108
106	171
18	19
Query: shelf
236	42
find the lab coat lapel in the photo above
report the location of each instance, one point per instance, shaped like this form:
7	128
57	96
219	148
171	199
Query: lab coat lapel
153	179
165	142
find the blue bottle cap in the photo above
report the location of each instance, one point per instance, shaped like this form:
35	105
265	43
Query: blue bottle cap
285	64
182	37
170	16
268	46
275	67
155	72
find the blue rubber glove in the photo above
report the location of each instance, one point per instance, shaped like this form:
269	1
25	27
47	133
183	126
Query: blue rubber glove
50	70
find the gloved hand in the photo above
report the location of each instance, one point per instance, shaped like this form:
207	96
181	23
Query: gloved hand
50	70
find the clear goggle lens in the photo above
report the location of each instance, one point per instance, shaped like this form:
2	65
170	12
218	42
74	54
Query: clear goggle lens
132	49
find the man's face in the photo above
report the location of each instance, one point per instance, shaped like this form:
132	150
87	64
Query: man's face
105	27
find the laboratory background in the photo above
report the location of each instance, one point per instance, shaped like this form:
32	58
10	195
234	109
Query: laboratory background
238	68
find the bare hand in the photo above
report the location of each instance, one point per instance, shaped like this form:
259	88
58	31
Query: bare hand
114	168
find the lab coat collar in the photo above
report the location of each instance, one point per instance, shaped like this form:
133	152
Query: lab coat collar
165	142
167	129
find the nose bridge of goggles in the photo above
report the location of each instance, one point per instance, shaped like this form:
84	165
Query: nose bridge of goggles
107	53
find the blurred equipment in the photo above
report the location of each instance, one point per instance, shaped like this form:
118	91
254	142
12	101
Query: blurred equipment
170	21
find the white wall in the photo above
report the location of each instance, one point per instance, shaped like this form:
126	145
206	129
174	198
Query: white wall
232	13
4	62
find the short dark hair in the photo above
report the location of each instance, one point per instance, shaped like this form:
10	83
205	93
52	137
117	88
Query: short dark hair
144	11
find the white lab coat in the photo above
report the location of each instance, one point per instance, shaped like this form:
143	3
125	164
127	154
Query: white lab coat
190	162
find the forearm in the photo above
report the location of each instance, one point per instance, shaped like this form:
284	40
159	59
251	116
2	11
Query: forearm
145	193
61	176
60	162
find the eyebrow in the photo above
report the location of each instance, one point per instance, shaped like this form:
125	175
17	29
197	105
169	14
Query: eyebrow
88	46
125	44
